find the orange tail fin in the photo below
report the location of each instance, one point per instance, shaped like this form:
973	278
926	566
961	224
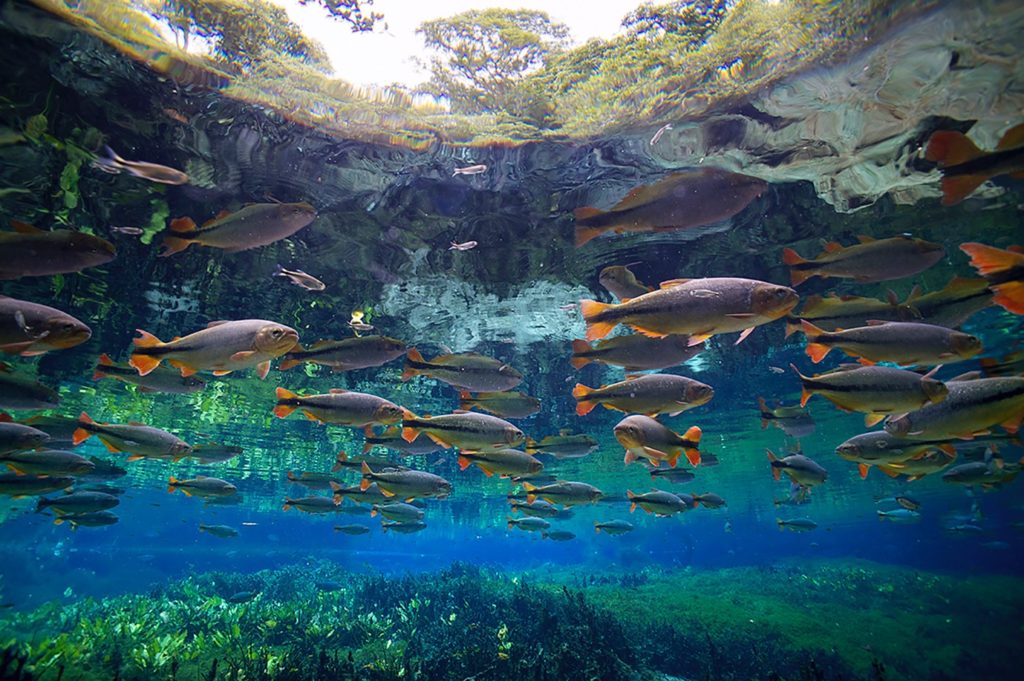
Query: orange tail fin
283	410
816	351
286	364
580	346
583	406
990	260
596	329
1010	296
583	232
776	473
413	355
145	364
791	328
172	245
957	188
950	148
339	461
791	258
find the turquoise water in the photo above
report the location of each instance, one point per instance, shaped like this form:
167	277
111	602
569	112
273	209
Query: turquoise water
725	592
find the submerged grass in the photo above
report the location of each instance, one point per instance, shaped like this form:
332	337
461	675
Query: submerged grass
822	621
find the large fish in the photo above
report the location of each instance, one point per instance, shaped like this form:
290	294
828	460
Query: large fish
397	511
904	343
644	438
406	484
467	371
636	352
160	380
915	468
361	352
136	439
564	492
78	503
843	312
869	261
503	462
650	394
31	252
950	306
970	409
800	469
622	283
61	429
879	448
965	167
313	504
257	224
700	308
339	407
47	462
21	392
661	504
510	405
1004	271
873	390
18	485
793	421
682	200
29	329
465	430
15	437
213	452
565	445
223	347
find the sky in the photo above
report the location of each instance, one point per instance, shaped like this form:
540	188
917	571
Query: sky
382	58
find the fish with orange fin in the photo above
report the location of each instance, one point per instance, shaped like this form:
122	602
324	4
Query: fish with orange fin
649	394
160	380
879	448
32	252
871	260
699	308
406	484
621	282
463	429
661	504
795	422
360	352
502	462
903	343
635	352
682	200
564	492
833	312
222	347
972	407
465	370
965	167
202	486
1004	271
950	306
644	438
137	440
30	329
800	469
257	224
339	407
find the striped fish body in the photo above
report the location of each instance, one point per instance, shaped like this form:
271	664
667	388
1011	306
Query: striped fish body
17	485
255	225
904	343
160	380
650	394
466	371
137	440
47	462
659	503
465	430
503	462
340	408
21	392
843	312
871	260
515	405
312	504
873	390
567	493
392	439
407	484
563	446
79	503
361	352
371	494
398	512
972	407
635	352
957	302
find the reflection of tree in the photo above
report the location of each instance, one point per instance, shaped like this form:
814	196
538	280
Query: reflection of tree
352	11
696	19
484	55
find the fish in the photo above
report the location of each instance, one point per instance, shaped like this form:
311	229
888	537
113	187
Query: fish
242	596
61	429
527	524
871	260
201	486
932	461
105	470
879	448
1008	365
78	503
341	462
793	421
466	430
709	500
136	439
130	231
657	135
621	282
312	504
372	494
47	462
565	445
700	308
800	469
988	474
613	527
31	252
398	512
222	347
221	531
20	392
160	380
908	503
834	312
503	462
875	391
312	480
213	452
30	329
94	519
392	439
661	504
18	486
407	484
644	438
903	343
464	246
566	493
950	306
403	527
636	352
970	409
154	172
361	352
898	515
1003	270
965	167
352	529
675	475
470	170
650	394
16	437
466	371
681	200
512	405
796	524
537	508
300	279
558	535
339	408
255	225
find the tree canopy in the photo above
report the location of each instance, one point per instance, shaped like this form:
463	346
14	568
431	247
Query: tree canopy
696	19
352	11
483	56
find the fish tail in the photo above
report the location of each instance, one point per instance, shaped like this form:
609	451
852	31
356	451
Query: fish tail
583	405
958	187
531	445
791	328
282	410
288	504
290	362
413	355
597	528
763	408
409	433
103	361
278	271
339	461
172	484
792	258
80	434
1010	296
632	500
990	260
530	496
774	461
596	328
580	346
145	363
176	244
465	400
692	453
585	232
42	504
805	392
949	147
464	462
815	350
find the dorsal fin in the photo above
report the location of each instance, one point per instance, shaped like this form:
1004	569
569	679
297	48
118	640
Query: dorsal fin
1012	138
219	216
25	228
338	391
832	246
865	239
672	282
646	193
217	323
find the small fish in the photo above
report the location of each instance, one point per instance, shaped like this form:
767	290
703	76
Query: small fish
372	494
222	531
931	462
357	324
567	493
30	329
160	380
398	512
78	503
313	504
300	278
682	200
528	524
1004	271
636	352
796	524
255	225
661	504
650	394
212	452
709	500
21	392
464	246
175	115
675	475
644	438
537	508
406	484
776	370
465	430
898	515
362	352
403	528
18	485
869	261
242	596
154	172
138	440
699	308
798	468
661	131
312	480
94	519
130	231
339	407
31	252
503	462
352	529
879	448
466	371
965	167
201	486
621	282
470	170
16	437
843	312
908	503
565	445
558	535
950	306
47	462
515	405
970	409
903	343
613	527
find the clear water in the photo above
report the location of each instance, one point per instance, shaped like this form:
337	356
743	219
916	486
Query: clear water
386	216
